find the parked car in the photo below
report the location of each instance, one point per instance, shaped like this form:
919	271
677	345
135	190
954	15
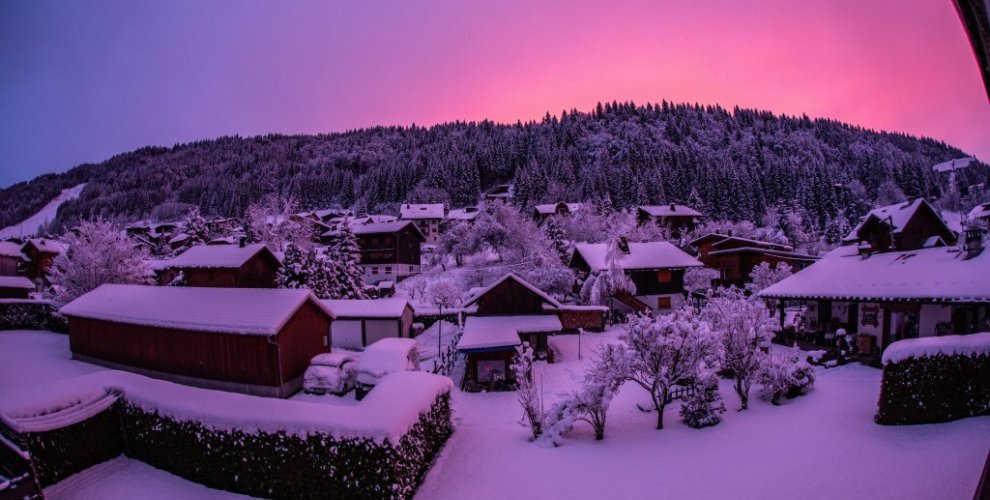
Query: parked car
330	372
388	355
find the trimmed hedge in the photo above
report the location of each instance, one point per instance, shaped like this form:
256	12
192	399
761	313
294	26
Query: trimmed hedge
935	388
281	465
59	453
429	319
31	315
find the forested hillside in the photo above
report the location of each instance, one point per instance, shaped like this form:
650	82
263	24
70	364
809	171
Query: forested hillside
739	164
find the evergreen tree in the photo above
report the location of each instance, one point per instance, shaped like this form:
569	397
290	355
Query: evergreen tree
346	278
556	237
295	271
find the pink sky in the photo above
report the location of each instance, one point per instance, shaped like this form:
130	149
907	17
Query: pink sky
83	82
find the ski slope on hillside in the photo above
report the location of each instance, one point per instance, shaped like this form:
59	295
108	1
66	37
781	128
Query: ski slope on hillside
29	226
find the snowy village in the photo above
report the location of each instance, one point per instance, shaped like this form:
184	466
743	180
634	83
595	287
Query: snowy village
635	301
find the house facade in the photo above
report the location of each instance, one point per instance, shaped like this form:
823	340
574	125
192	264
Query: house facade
390	251
11	258
254	341
427	216
734	257
675	218
39	254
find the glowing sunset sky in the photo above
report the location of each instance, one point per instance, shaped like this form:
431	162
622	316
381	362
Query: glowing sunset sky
82	81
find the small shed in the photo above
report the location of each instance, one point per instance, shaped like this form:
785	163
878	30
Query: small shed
360	323
15	287
11	258
229	266
255	341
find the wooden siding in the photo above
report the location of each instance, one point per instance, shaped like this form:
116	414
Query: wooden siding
510	298
400	247
302	337
648	281
9	265
258	272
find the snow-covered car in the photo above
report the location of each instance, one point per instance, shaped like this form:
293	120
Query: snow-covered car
383	357
330	372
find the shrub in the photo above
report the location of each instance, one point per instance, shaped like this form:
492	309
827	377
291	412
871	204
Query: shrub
59	453
30	315
936	388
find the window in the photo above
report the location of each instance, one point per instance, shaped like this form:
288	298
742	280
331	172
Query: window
664	303
374	270
388	269
665	276
410	268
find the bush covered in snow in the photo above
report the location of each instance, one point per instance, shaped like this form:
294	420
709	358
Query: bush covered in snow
703	407
59	453
785	374
589	404
935	379
20	314
526	390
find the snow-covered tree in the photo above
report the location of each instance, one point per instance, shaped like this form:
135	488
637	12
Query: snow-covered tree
271	221
295	269
195	229
785	373
666	351
346	276
744	328
699	278
97	253
556	237
526	391
590	404
763	276
459	242
600	287
443	294
704	406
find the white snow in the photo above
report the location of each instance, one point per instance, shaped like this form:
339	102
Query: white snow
10	249
368	308
939	274
248	311
551	208
975	344
463	214
482	332
413	211
15	282
822	445
215	256
648	255
669	210
30	226
122	477
381	227
897	215
428	342
388	355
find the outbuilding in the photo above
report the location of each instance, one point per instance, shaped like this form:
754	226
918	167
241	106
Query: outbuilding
254	341
15	287
230	266
360	323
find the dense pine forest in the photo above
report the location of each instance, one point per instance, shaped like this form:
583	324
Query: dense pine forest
736	165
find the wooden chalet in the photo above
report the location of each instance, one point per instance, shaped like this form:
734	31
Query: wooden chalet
39	253
427	217
734	257
11	258
501	192
254	341
656	268
543	212
922	288
674	217
466	215
390	251
227	266
507	313
15	287
902	226
360	323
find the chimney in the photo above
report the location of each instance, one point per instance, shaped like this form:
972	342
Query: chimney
973	237
243	241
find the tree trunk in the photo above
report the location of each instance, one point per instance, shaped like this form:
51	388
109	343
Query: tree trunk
659	405
743	394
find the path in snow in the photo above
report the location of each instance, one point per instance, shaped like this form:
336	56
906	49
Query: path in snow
823	445
29	226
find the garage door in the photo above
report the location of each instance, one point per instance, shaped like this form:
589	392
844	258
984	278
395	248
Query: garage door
346	333
377	329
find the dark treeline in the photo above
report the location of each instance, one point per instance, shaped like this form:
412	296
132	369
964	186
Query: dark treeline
737	164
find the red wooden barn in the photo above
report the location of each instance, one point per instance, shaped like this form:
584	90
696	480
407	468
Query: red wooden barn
233	266
255	341
15	287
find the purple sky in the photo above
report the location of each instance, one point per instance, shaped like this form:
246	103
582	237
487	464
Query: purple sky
81	81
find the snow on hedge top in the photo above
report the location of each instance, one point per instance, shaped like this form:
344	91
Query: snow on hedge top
421	211
369	308
10	249
15	282
387	413
247	311
482	332
974	344
649	255
30	226
937	274
216	256
670	210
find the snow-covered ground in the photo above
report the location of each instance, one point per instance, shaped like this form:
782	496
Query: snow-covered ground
29	226
823	445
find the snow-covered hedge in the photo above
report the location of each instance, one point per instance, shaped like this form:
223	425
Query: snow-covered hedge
61	452
935	379
26	314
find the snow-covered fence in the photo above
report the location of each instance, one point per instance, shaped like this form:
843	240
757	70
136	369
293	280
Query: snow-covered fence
935	379
28	314
379	448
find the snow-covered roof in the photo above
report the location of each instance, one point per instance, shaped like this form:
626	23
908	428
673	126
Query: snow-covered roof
485	332
421	211
466	213
47	245
385	414
15	282
928	274
766	251
975	344
897	215
980	211
751	242
10	249
216	256
551	208
478	292
670	210
381	227
247	311
368	308
648	255
388	355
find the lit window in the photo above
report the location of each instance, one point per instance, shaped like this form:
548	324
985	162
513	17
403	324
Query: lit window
664	276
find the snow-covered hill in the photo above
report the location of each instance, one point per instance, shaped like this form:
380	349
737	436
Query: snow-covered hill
29	226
